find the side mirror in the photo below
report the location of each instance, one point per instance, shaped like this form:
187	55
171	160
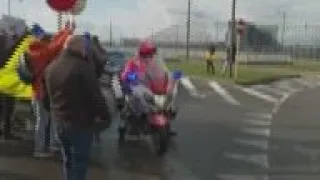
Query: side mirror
132	77
177	74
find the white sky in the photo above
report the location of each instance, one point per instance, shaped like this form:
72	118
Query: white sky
140	17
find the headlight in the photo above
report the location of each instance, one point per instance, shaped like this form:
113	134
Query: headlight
160	100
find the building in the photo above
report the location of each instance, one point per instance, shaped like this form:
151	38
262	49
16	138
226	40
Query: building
257	36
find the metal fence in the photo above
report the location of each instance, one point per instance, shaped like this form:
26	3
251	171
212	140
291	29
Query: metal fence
266	41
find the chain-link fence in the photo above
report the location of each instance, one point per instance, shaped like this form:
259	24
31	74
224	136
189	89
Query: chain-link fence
261	41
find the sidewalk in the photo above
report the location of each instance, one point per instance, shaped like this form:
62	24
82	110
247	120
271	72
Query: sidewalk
17	163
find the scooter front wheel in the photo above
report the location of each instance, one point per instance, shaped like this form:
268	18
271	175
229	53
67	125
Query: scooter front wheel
160	138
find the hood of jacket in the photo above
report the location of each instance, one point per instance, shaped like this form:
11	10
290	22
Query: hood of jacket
78	46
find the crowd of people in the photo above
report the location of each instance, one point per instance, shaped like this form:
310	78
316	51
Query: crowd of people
62	71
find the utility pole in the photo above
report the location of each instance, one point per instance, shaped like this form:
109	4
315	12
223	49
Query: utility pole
233	37
284	18
217	30
110	34
9	7
152	34
188	31
305	29
177	37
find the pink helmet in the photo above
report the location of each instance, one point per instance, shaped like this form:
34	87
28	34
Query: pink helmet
147	48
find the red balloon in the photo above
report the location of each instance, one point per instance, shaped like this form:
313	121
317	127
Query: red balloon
61	5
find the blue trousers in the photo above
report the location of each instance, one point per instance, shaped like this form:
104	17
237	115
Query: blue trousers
76	147
45	136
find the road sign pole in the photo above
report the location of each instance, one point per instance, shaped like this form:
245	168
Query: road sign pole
236	62
240	32
233	38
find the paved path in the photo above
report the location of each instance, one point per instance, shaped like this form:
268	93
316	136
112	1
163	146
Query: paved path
225	132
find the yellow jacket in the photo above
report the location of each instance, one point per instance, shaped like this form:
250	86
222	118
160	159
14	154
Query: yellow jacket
209	57
10	82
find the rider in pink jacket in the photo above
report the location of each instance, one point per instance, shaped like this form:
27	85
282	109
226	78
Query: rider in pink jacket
146	53
138	63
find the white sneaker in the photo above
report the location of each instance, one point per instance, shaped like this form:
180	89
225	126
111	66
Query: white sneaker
42	154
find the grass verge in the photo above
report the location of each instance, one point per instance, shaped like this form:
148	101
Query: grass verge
246	74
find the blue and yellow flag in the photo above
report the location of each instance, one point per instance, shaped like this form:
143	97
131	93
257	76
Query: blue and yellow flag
10	82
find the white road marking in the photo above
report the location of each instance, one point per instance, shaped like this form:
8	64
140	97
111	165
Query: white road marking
304	82
262	144
260	115
314	80
257	94
191	88
280	102
259	131
223	93
313	152
258	122
242	177
285	85
186	82
270	89
258	159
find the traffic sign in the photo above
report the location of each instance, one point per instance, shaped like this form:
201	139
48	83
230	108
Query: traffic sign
241	26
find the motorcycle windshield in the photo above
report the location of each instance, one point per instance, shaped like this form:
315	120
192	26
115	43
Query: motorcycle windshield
157	76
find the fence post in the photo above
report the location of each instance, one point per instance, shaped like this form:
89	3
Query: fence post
236	62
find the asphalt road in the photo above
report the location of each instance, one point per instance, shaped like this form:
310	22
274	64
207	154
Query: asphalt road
221	137
295	137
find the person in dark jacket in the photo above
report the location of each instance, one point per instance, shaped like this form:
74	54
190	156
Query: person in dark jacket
76	102
41	52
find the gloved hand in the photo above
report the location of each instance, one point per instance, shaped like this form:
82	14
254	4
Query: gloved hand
70	25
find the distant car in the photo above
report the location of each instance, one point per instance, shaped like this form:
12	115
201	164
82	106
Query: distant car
116	61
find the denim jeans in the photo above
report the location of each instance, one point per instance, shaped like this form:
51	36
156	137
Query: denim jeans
76	147
45	136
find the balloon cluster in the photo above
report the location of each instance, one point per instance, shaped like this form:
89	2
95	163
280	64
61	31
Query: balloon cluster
74	7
